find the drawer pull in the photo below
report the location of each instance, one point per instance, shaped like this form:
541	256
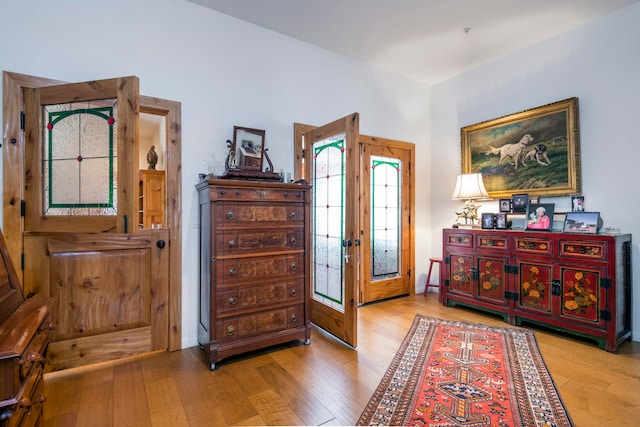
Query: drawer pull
25	403
293	266
293	292
299	194
230	215
292	215
232	270
36	358
233	301
222	192
285	194
294	318
232	243
237	192
230	330
293	241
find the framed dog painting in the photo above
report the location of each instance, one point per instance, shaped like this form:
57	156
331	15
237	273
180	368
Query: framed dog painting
536	151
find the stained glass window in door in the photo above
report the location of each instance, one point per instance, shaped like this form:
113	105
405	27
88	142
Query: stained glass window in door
79	159
328	220
385	219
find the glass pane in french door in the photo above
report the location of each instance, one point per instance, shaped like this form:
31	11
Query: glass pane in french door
386	187
328	222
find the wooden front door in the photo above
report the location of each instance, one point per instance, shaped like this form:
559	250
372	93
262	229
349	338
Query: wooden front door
387	236
333	168
80	240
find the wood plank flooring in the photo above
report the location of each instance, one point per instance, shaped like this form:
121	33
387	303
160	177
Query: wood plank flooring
324	383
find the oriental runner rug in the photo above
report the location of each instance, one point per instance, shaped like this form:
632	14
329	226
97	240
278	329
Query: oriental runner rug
450	373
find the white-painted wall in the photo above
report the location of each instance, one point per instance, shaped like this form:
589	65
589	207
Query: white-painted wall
225	72
598	63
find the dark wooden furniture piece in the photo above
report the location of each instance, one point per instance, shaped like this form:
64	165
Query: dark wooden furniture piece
254	265
24	336
575	283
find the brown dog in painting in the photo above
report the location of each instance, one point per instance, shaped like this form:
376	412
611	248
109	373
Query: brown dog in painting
512	151
539	154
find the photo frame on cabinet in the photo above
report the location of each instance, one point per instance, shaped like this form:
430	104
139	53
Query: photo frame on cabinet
582	222
505	205
540	216
488	221
577	203
520	202
501	221
535	151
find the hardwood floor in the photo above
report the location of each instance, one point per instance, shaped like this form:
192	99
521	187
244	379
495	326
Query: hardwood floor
324	383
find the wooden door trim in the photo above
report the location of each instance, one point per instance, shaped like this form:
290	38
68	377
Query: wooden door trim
13	183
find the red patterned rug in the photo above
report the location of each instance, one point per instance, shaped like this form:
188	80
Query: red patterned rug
450	373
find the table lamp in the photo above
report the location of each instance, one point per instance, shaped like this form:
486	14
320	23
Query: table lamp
469	187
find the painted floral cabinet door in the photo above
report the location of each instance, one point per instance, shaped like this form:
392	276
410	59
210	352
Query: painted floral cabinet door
582	295
534	285
492	278
461	273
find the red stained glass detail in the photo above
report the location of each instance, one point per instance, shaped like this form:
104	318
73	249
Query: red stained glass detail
111	121
342	150
79	158
49	126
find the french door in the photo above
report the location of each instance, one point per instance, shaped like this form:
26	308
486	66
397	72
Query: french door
362	246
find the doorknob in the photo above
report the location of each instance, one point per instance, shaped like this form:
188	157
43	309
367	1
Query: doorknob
160	244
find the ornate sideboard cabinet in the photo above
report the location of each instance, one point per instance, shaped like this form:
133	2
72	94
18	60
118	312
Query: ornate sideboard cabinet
575	283
24	335
254	265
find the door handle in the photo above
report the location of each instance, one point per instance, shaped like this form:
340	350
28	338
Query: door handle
161	244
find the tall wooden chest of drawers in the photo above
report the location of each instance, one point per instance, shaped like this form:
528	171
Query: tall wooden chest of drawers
254	265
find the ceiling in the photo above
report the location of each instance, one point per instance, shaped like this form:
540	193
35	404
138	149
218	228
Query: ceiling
425	40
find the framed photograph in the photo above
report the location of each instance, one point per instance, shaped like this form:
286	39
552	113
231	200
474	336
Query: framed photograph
536	151
520	202
505	205
539	216
582	222
487	220
501	221
577	203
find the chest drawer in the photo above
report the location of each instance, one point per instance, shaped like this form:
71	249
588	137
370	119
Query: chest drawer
259	194
254	297
259	323
243	214
232	242
236	270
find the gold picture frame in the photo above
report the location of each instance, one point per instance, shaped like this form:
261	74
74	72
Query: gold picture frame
534	152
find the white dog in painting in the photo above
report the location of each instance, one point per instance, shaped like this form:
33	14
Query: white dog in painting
512	151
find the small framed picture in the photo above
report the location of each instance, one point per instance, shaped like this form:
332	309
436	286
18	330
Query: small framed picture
505	205
487	220
582	222
520	202
577	203
539	216
501	221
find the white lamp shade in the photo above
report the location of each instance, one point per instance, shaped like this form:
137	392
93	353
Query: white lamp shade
470	186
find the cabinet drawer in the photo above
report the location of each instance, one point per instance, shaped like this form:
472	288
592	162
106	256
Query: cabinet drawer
230	214
235	270
254	324
494	242
254	297
583	249
34	354
459	239
30	409
249	241
534	245
266	194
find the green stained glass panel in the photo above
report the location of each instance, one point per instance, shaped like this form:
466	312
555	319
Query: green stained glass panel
385	220
79	159
328	221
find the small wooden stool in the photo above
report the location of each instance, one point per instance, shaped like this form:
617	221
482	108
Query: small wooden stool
435	285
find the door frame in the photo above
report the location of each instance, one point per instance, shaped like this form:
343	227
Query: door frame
13	144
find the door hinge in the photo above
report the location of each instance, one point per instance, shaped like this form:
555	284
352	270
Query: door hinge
22	261
409	272
303	153
22	120
23	208
409	219
605	282
511	269
605	315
